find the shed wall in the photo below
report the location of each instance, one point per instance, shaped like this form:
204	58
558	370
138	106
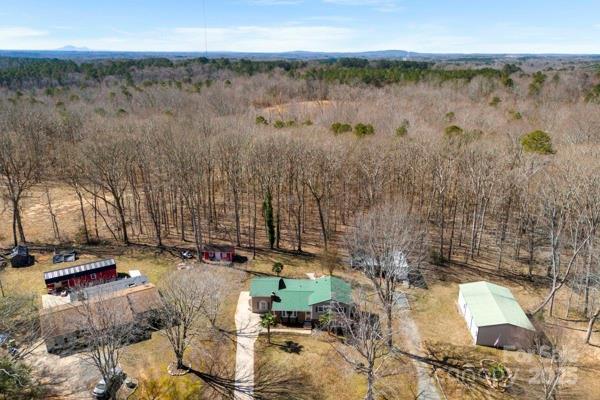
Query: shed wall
506	335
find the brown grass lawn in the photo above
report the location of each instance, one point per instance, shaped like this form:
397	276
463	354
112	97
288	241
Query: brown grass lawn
328	376
444	332
434	309
31	279
147	361
295	266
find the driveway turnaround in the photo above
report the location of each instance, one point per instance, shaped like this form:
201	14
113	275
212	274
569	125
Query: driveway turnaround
247	326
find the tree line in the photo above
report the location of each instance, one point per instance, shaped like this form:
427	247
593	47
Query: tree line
19	73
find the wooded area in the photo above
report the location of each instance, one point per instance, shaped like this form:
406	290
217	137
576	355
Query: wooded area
501	163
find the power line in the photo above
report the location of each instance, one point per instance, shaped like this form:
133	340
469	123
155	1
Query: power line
205	29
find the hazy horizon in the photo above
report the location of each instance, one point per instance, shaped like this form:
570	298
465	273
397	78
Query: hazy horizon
273	26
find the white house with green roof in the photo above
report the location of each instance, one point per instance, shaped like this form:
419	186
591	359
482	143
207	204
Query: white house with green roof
493	316
299	301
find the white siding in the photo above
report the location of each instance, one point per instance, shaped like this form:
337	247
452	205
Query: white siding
466	312
474	331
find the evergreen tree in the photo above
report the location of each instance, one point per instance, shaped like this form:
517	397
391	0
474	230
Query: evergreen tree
269	220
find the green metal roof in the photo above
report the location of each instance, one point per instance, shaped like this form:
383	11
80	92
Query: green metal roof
300	294
492	304
330	288
292	301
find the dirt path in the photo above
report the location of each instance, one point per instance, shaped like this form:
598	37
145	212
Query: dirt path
427	388
70	377
247	328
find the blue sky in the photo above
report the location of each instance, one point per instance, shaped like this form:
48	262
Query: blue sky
508	26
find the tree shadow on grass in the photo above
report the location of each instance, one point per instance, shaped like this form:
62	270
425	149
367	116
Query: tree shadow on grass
464	371
267	383
289	346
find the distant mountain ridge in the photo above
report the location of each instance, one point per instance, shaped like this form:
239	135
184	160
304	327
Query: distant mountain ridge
84	53
72	48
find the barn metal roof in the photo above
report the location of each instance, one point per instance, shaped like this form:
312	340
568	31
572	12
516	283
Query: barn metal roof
109	287
89	267
492	304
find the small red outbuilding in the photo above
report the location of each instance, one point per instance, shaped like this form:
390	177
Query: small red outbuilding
218	253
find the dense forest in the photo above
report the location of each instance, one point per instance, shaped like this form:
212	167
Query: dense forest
34	72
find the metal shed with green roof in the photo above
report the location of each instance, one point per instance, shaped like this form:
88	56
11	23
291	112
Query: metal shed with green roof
493	316
299	300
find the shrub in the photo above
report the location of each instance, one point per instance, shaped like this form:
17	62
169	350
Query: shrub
307	122
277	267
453	131
450	117
17	382
508	82
260	120
498	371
290	123
536	85
279	124
515	115
338	127
457	135
362	130
537	142
593	96
495	101
402	130
121	112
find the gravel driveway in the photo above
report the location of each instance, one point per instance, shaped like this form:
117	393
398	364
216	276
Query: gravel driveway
247	326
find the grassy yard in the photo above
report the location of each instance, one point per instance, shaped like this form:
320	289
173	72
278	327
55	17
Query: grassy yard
328	376
147	361
445	336
31	279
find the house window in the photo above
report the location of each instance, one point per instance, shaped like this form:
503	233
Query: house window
308	315
321	309
291	314
263	306
93	276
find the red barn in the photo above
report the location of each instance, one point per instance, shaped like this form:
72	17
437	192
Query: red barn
216	253
89	274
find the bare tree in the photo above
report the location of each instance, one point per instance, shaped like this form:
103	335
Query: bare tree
22	161
107	163
552	365
365	343
191	303
19	320
106	325
386	243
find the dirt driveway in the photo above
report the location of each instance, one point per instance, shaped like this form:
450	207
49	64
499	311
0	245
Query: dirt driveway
247	330
70	377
